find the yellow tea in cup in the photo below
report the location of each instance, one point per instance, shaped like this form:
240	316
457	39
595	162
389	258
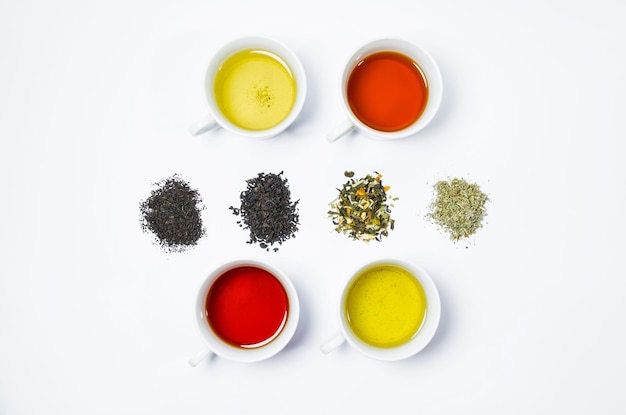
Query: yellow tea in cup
255	89
385	306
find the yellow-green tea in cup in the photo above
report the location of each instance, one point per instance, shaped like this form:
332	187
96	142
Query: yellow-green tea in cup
255	89
385	306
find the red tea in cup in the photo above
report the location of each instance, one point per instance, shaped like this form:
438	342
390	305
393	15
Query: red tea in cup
247	307
387	91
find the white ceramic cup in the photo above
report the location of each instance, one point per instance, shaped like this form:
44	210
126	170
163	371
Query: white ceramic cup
216	345
423	336
433	78
216	119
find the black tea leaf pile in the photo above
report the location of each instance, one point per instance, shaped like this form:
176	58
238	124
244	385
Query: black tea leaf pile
172	214
267	210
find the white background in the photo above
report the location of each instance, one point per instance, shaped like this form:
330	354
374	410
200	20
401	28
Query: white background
95	101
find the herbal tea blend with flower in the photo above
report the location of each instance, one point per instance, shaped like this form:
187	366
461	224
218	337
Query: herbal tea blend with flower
459	207
267	211
361	210
172	214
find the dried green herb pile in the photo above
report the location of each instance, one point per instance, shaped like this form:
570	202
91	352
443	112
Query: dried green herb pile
361	210
267	210
172	214
459	207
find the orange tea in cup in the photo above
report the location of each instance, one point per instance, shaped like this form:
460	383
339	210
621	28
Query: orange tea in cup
387	91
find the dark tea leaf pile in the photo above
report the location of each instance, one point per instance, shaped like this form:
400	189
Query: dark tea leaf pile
172	214
267	211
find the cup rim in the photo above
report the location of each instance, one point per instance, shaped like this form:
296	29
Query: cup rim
428	65
251	42
425	333
221	348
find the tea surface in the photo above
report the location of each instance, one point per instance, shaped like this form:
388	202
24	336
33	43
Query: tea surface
387	91
247	307
255	89
385	306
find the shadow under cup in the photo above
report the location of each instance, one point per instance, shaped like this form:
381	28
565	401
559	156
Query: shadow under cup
247	311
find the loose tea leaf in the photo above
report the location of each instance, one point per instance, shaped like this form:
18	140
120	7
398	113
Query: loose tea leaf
361	210
267	211
172	214
459	207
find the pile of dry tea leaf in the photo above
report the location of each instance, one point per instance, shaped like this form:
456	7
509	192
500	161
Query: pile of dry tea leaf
267	211
459	207
172	214
361	209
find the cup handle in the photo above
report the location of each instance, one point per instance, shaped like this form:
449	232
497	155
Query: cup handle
332	343
341	130
204	125
199	357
